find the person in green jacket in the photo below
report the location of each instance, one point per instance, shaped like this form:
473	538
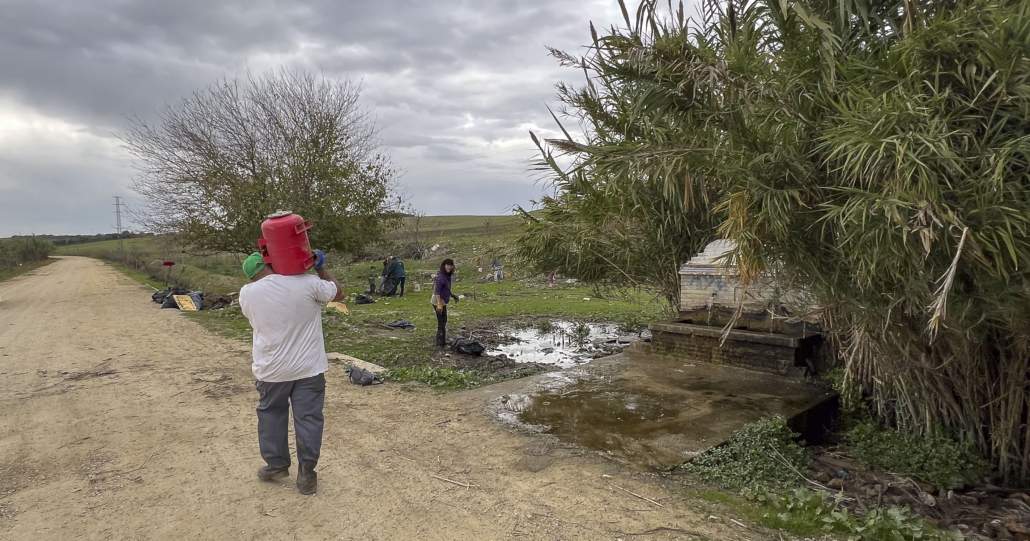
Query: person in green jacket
395	277
398	274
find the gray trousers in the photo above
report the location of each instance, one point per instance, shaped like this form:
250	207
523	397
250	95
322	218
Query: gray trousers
307	397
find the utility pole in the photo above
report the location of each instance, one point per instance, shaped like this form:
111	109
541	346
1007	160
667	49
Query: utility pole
118	225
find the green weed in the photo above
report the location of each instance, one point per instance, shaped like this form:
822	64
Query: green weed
805	512
633	323
761	464
439	377
934	459
580	332
761	456
545	326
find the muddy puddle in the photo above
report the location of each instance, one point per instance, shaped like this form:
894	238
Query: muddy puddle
650	411
563	344
599	416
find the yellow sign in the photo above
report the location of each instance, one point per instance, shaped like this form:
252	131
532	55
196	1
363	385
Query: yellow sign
339	307
185	302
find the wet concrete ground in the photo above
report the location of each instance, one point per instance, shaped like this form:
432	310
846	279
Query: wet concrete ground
652	411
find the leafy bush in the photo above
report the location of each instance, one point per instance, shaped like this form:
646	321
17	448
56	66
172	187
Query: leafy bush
633	323
935	459
761	456
20	250
806	512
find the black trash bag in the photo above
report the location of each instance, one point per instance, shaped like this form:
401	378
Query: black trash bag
400	324
159	296
467	346
164	297
360	376
361	298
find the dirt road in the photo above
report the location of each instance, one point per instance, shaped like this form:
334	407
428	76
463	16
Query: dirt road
121	420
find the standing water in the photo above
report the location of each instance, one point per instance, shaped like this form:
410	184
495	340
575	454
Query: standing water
563	343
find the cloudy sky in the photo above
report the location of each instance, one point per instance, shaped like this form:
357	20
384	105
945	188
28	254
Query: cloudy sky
454	86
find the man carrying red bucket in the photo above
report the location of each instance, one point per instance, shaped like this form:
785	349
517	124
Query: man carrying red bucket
289	360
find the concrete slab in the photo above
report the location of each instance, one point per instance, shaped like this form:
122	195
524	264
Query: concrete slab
689	329
655	411
781	354
347	361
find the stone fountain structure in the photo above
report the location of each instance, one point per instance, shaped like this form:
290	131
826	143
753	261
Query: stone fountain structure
722	322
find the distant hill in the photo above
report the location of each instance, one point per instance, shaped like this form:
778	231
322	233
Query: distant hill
64	240
432	227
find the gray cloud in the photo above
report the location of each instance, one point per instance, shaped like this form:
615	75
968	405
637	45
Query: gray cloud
454	87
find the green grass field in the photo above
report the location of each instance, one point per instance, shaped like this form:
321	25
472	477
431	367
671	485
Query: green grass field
472	241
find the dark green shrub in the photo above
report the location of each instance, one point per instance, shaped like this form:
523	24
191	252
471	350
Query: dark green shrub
934	459
763	455
20	250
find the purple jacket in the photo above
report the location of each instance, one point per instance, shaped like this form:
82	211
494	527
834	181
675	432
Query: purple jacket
442	286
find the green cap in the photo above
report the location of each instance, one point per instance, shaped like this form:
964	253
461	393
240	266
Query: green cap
253	265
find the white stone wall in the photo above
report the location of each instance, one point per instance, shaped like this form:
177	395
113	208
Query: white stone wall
701	291
707	282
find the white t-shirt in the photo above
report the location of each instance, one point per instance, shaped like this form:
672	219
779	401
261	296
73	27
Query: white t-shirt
286	315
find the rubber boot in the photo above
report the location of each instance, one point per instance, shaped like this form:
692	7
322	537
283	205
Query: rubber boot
307	479
268	473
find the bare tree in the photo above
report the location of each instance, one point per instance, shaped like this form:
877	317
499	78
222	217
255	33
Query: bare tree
418	250
214	166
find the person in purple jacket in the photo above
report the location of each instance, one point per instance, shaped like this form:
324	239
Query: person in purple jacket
441	296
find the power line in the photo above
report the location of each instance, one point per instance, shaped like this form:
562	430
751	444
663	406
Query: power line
118	225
